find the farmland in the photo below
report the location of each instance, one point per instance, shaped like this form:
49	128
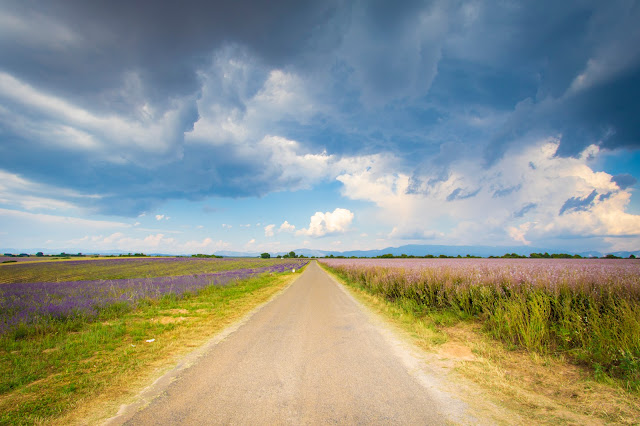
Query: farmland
586	310
35	294
119	268
89	328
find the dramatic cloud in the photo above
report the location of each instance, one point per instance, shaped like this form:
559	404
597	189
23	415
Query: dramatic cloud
558	198
394	49
458	121
329	223
579	204
624	181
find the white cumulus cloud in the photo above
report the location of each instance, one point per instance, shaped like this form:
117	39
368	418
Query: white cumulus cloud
531	196
328	223
287	227
268	230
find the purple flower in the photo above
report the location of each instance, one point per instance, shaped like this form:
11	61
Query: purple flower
35	302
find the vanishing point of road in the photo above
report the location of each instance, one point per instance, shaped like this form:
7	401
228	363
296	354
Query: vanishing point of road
310	356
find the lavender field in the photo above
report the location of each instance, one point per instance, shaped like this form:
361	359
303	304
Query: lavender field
15	259
35	294
588	310
119	268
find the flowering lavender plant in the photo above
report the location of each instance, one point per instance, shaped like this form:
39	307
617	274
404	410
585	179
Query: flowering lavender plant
37	302
117	268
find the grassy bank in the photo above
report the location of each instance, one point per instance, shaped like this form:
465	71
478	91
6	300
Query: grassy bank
535	388
74	367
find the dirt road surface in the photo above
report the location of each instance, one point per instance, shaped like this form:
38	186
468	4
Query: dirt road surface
311	356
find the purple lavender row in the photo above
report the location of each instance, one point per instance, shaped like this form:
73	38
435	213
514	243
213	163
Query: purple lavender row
126	267
30	303
110	261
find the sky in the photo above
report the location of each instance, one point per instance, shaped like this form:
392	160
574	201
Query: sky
201	127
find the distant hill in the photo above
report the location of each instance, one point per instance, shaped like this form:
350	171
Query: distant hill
482	251
228	253
409	250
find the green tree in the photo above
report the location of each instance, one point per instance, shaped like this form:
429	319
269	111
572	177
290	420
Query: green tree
265	255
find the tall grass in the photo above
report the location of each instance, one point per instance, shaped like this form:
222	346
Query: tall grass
587	309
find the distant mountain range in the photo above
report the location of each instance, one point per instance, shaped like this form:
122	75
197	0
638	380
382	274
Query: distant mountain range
423	250
409	250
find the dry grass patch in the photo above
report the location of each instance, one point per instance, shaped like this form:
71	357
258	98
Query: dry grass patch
175	311
170	320
545	389
457	351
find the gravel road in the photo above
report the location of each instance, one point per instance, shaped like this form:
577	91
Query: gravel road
311	356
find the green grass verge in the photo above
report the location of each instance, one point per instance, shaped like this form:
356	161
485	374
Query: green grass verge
45	376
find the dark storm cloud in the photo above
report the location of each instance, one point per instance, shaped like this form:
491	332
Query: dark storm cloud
429	81
393	48
506	191
599	42
624	181
165	42
605	115
525	209
461	194
604	197
578	203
